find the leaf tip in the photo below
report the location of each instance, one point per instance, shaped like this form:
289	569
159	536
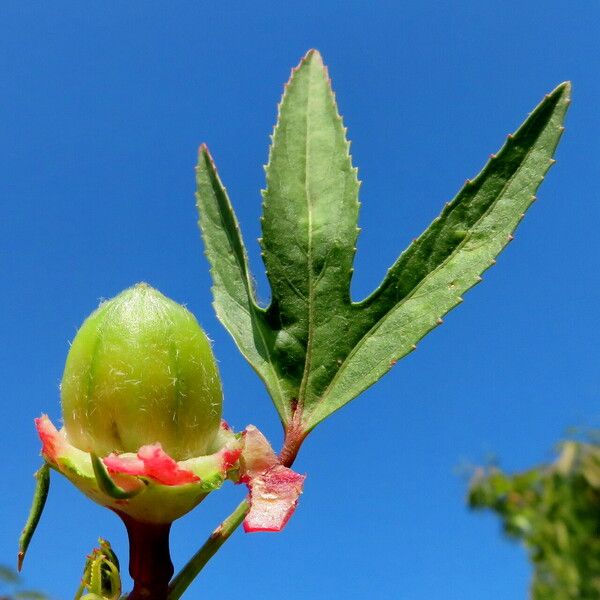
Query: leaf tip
203	151
206	161
564	88
313	55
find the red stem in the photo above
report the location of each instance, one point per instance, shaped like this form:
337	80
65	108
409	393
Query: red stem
295	434
291	445
150	563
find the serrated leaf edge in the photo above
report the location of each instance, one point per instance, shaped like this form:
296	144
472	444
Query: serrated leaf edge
256	310
563	88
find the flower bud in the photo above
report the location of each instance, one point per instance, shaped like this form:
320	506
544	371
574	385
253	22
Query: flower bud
143	435
140	371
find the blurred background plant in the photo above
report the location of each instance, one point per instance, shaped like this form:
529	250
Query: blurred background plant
11	587
554	510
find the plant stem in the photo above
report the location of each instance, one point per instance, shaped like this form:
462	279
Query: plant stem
150	563
216	539
294	436
223	532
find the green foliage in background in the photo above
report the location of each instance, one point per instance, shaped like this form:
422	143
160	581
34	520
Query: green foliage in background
554	510
11	587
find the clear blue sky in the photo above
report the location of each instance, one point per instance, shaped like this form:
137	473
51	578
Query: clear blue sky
103	107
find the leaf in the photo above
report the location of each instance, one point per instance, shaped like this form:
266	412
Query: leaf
309	229
552	510
234	299
42	476
315	348
429	278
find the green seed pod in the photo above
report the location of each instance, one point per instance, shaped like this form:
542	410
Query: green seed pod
140	371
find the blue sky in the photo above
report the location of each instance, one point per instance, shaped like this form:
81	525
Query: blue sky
104	105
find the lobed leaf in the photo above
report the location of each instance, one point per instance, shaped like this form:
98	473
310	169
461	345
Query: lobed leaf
315	349
234	298
429	278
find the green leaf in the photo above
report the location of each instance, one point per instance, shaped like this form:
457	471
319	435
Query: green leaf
316	349
234	298
552	510
429	278
42	477
309	230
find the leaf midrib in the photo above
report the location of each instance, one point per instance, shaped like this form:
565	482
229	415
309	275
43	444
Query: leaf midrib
310	299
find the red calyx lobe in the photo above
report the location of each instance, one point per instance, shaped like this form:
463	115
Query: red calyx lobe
274	489
51	439
151	461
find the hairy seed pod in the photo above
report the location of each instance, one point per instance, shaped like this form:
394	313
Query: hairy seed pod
140	371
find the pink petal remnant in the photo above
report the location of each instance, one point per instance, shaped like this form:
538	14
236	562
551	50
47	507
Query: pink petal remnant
126	464
273	499
153	462
53	442
274	489
258	456
160	466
